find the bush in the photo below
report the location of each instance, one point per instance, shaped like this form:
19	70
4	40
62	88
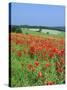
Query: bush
39	29
16	29
27	33
47	33
13	28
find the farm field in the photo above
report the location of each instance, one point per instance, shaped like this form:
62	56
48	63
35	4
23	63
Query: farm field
37	58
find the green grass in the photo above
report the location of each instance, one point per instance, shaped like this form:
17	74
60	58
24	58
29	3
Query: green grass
51	33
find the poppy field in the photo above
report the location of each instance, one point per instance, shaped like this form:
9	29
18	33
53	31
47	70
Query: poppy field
37	60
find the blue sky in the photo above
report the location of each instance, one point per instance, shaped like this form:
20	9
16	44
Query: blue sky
37	14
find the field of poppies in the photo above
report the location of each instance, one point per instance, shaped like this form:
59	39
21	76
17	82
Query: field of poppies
37	59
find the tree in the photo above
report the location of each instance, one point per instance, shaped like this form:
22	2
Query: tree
16	29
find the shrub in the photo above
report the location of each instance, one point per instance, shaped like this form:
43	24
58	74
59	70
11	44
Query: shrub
47	33
16	29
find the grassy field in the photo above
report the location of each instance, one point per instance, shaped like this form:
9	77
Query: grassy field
43	33
37	59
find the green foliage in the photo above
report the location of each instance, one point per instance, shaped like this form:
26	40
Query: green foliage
39	29
27	33
16	29
47	33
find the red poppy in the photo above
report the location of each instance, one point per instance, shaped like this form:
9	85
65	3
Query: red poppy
32	50
50	83
25	50
51	54
40	74
19	53
54	50
36	63
61	52
47	65
20	42
40	48
62	60
30	66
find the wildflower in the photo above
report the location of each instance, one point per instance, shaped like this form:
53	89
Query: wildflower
55	50
62	60
37	63
47	65
51	54
39	48
30	66
40	74
50	83
32	50
19	53
61	52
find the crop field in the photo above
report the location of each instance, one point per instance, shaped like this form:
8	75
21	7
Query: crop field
37	58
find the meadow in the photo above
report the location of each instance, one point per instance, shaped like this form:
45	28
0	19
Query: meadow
37	58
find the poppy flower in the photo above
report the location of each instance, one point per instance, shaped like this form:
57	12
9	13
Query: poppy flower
62	60
54	50
30	66
40	48
50	83
37	63
19	53
19	42
40	74
51	54
61	52
32	50
47	65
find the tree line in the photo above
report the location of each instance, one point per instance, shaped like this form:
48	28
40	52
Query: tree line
18	28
